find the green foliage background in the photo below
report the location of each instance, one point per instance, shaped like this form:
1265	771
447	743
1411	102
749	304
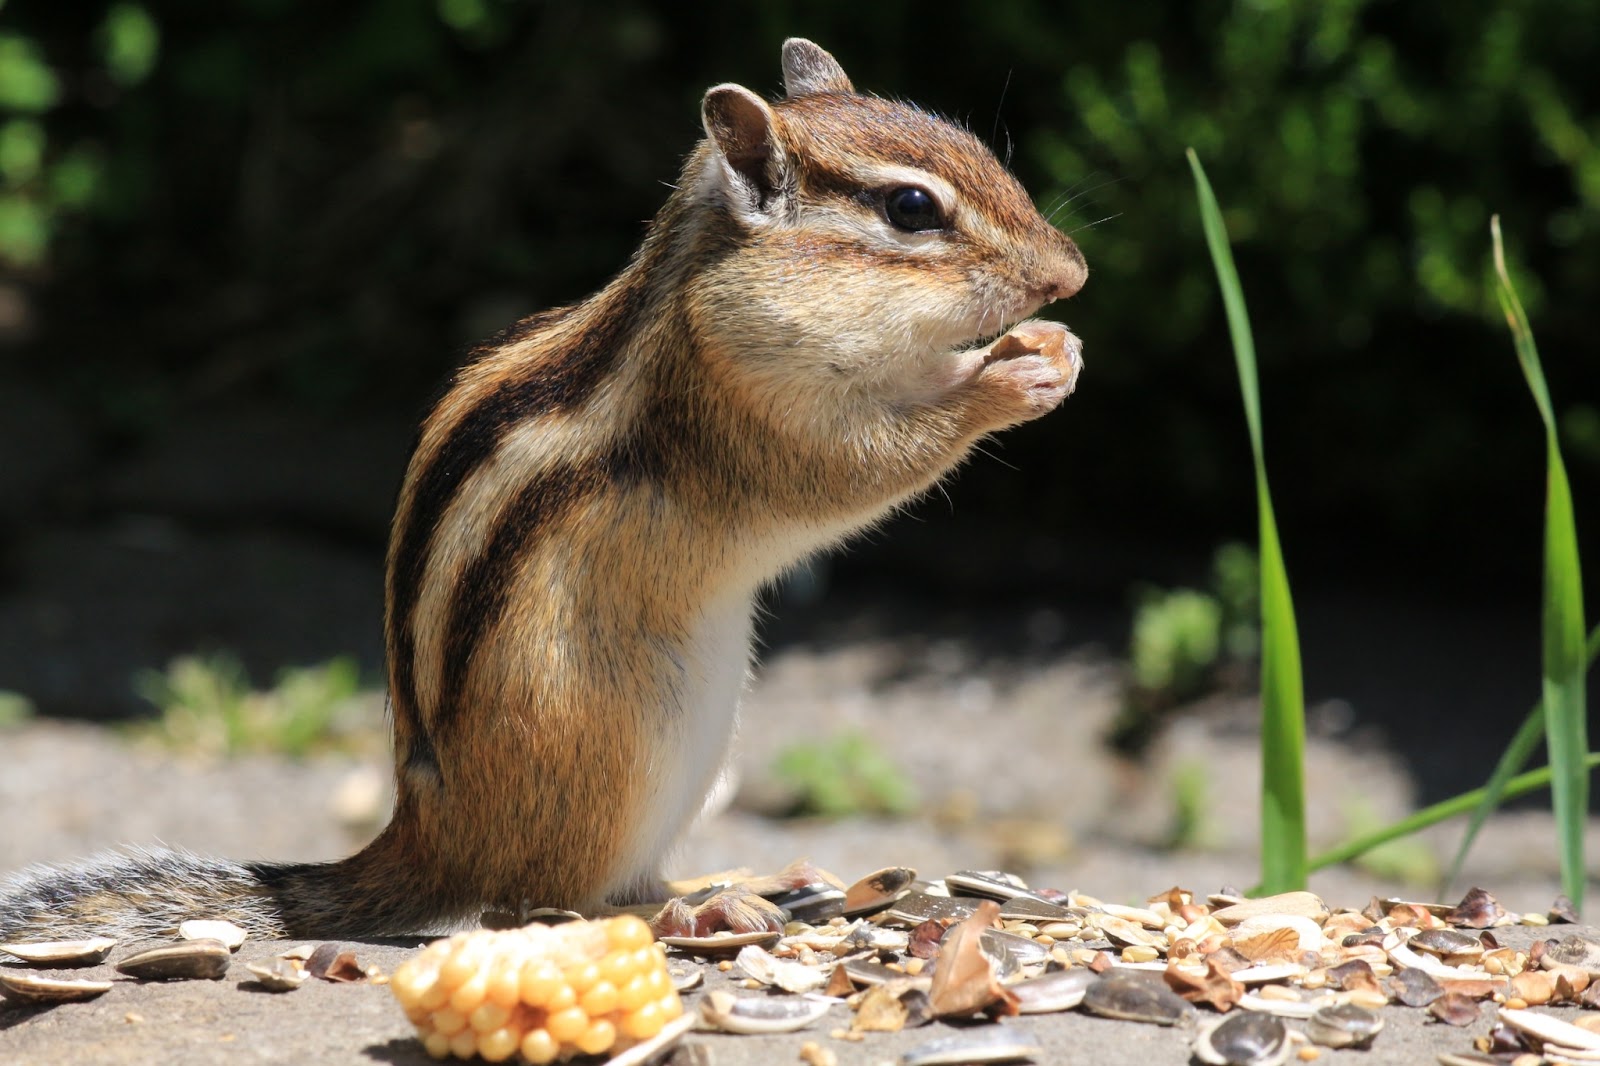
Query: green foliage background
324	201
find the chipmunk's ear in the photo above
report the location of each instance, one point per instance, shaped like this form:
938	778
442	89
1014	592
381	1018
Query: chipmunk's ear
741	126
809	69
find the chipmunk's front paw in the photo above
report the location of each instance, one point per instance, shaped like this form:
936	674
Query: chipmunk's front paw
1034	367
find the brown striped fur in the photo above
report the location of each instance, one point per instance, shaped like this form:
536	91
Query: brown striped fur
594	502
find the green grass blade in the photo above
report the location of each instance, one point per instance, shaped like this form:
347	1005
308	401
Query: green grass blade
1512	760
1283	824
1565	662
1520	785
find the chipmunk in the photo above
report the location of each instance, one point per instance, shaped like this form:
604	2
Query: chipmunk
801	344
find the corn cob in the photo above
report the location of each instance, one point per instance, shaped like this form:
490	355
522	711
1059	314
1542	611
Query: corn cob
548	992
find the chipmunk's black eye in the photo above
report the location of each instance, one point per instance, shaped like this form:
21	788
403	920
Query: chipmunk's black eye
912	209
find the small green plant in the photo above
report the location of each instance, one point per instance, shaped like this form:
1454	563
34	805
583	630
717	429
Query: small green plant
1185	642
15	709
1283	725
1193	814
209	707
1177	636
844	776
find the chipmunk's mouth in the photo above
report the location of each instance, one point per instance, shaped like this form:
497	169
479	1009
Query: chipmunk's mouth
984	338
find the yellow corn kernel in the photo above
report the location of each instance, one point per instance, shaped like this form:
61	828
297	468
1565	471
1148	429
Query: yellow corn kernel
634	994
567	1025
643	1023
539	1047
497	1045
629	933
616	968
561	999
464	1044
471	993
600	999
538	981
435	997
584	977
598	1038
505	986
548	992
488	1017
459	965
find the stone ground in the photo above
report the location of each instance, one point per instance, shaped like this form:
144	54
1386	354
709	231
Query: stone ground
1010	770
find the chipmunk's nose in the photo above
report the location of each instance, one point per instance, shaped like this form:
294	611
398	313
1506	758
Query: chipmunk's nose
1063	272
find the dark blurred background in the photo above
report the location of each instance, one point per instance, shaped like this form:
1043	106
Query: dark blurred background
242	242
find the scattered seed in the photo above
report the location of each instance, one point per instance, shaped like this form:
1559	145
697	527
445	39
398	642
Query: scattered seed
722	943
877	890
1243	1039
1136	996
1477	910
60	954
765	969
278	974
34	989
760	1014
1301	904
917	907
992	884
206	929
1453	1008
190	960
1446	942
1000	1043
1058	991
1563	912
1549	1029
814	1054
1344	1025
1414	988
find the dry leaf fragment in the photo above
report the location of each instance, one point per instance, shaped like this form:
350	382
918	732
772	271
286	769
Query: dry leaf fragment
1216	987
839	984
879	1011
1175	898
1275	945
964	978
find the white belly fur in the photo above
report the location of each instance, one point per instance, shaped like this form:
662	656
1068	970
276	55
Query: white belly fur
691	749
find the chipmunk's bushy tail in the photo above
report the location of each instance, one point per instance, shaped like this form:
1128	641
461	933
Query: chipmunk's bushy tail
148	892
